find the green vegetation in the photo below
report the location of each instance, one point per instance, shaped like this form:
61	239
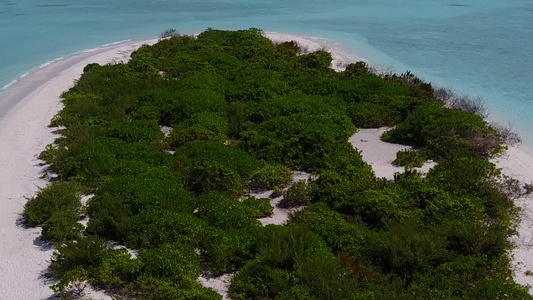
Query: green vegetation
410	158
270	177
299	194
244	113
56	198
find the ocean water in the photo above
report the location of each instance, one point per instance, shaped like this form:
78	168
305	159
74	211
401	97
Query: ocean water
479	47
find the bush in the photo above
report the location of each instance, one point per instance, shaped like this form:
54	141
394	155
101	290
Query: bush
206	177
299	194
320	60
227	251
408	250
154	228
56	197
136	131
49	155
410	158
201	126
446	132
292	140
177	263
213	153
115	203
270	273
97	162
81	254
223	212
62	227
287	257
291	47
238	113
355	70
116	270
336	189
340	235
372	115
270	177
507	133
258	281
298	292
258	207
464	175
158	289
168	33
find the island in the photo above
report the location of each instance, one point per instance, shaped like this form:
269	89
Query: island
228	155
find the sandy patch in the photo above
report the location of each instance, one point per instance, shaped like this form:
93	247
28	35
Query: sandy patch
380	154
220	284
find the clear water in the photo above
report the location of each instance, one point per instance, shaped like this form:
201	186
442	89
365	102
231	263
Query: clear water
480	47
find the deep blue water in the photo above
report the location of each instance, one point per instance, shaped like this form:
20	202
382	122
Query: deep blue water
483	48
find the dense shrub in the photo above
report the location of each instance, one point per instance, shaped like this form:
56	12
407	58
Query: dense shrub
320	60
340	235
446	132
136	131
84	253
154	228
270	177
299	194
288	257
300	140
193	154
226	213
410	158
62	227
115	203
270	274
258	207
205	176
370	115
174	262
245	111
56	197
103	158
227	251
201	126
116	269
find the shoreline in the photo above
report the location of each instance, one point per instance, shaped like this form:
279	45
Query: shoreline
517	163
28	105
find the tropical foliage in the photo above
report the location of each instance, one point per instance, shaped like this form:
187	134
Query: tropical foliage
245	112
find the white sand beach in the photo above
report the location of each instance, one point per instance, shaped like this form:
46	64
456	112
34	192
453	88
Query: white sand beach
27	107
25	111
517	163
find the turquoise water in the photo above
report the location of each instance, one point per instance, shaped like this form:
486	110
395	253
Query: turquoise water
483	48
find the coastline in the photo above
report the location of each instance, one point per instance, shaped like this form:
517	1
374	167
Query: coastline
25	111
517	163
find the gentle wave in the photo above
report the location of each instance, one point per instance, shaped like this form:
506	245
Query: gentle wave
48	63
9	84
